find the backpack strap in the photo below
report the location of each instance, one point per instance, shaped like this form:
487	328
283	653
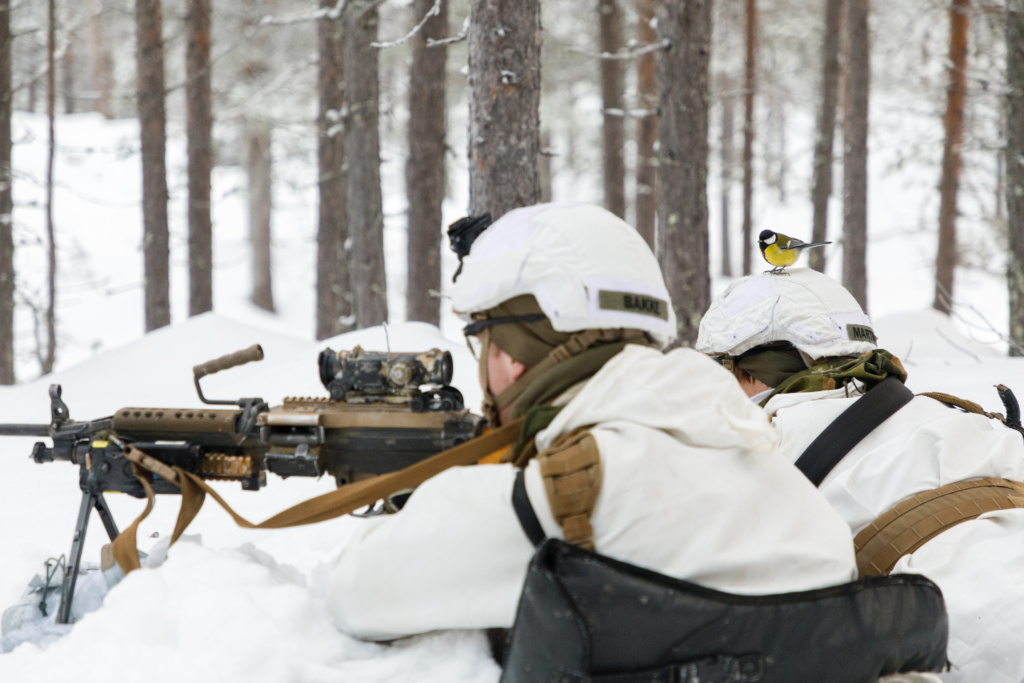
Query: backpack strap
524	511
571	470
850	428
923	516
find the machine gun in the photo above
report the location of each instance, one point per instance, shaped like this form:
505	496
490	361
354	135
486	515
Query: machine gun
386	411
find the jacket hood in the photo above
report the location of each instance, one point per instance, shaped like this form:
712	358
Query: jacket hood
682	393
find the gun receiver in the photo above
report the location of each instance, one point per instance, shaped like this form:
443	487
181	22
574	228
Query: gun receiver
385	411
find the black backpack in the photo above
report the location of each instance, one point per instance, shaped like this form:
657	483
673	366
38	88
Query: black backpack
584	617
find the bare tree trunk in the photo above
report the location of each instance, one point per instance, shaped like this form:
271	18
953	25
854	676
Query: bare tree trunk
362	150
101	63
544	166
504	120
333	289
683	158
153	123
424	169
646	127
48	358
259	167
68	74
1015	169
200	157
749	85
824	142
727	170
855	155
6	205
949	185
612	77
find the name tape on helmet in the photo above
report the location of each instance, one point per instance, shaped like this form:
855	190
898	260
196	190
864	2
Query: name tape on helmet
861	333
629	302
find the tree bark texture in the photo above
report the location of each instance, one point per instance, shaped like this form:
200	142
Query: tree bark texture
855	153
101	62
152	122
728	114
49	357
1015	169
424	169
949	184
259	168
612	78
544	166
822	188
7	375
67	81
749	86
362	150
333	289
199	114
646	127
504	119
683	80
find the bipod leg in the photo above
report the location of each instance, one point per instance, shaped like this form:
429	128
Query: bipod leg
104	512
75	558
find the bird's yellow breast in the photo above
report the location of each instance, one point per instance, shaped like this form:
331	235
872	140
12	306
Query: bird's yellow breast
780	257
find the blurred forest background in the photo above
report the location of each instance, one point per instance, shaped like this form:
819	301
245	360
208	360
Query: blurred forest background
686	117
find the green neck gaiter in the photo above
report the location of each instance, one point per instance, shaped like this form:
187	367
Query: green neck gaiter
870	369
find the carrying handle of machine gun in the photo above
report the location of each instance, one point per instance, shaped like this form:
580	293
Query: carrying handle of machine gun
232	360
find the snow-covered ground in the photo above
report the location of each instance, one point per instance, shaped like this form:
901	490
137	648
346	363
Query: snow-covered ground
234	604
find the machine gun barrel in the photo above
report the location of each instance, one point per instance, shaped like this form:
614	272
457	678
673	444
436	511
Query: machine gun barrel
24	430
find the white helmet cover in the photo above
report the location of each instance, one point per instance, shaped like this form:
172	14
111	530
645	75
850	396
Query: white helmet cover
801	306
587	268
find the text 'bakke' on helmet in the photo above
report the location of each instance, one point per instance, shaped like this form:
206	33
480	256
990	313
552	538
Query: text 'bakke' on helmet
587	269
810	310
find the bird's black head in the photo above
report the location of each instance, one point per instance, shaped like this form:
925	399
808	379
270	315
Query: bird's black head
767	237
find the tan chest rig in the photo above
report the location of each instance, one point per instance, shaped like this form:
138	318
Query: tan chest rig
571	470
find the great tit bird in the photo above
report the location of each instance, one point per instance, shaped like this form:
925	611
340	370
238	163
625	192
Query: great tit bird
782	250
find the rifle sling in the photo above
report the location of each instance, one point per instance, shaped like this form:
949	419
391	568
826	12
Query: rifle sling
850	428
330	505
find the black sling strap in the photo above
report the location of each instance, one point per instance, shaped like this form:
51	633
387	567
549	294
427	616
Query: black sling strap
850	428
524	511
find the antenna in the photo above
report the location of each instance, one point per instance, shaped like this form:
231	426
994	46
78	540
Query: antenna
387	337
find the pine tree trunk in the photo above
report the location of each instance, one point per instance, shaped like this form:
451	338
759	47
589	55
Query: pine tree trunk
855	154
362	150
749	85
67	82
101	63
49	357
333	289
646	127
727	170
259	167
424	169
544	166
200	156
1015	169
683	157
152	122
504	120
824	142
949	184
612	77
6	206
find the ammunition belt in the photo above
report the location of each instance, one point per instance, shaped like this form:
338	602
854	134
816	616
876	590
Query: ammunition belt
920	518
